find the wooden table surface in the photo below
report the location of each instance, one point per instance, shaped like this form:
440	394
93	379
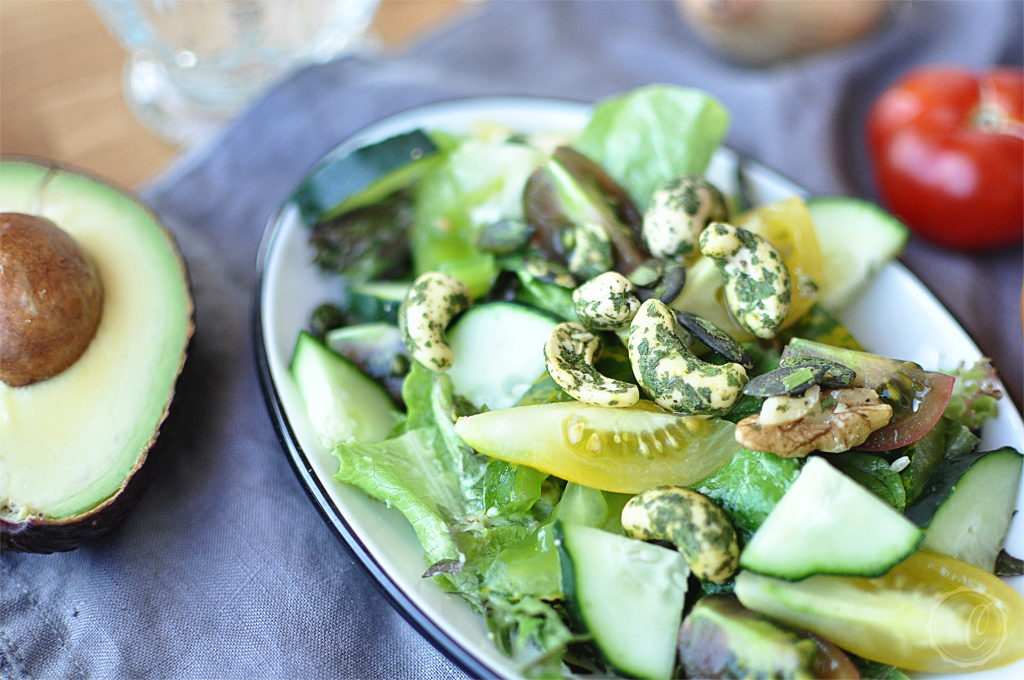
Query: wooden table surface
60	84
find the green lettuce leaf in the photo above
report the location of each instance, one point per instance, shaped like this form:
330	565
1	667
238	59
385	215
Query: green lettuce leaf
464	509
479	183
819	325
654	134
510	488
403	473
515	624
975	394
749	486
873	473
547	296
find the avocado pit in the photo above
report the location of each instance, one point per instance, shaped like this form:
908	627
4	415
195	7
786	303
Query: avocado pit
51	299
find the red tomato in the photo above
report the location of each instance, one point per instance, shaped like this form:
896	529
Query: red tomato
948	154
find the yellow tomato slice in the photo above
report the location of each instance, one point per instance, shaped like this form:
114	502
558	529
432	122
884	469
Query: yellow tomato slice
787	225
930	613
627	450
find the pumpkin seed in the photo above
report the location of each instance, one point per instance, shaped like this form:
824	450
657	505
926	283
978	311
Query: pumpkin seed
667	288
836	375
717	340
785	381
648	273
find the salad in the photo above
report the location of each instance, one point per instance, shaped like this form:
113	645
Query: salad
617	410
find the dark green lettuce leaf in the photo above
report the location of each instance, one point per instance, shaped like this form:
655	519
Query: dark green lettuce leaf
749	486
873	473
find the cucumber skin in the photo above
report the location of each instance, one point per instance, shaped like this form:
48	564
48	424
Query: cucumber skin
339	184
364	305
569	582
955	474
941	485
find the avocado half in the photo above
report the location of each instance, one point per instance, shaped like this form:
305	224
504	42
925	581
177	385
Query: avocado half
76	449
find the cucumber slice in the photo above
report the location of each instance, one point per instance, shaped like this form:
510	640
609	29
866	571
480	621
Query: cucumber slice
627	594
967	505
341	401
364	176
377	301
857	239
826	523
499	353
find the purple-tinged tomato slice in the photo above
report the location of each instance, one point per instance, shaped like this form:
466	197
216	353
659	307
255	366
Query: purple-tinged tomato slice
932	393
918	397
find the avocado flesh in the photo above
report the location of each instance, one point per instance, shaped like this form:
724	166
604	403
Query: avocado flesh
70	443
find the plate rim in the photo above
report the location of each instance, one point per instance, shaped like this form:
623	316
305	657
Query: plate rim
315	489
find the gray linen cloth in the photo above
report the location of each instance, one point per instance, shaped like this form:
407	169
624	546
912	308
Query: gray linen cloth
225	569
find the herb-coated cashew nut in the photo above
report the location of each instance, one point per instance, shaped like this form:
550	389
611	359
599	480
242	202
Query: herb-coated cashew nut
569	357
432	302
679	211
606	302
692	523
757	283
673	377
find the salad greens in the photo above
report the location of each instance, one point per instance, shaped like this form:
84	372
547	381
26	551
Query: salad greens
749	486
490	529
873	472
478	183
975	394
652	135
948	438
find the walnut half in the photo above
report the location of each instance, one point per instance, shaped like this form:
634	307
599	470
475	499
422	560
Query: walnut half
839	421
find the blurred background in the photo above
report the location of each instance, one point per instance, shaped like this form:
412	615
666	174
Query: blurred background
61	75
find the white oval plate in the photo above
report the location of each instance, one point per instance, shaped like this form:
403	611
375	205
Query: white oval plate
896	316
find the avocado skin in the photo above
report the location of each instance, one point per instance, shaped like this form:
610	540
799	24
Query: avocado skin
36	535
